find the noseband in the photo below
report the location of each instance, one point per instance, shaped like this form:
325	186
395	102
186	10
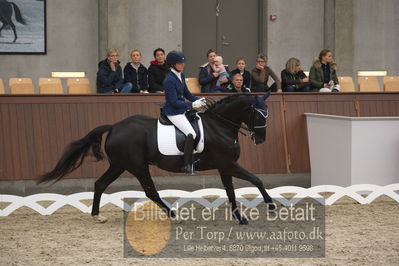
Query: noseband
251	122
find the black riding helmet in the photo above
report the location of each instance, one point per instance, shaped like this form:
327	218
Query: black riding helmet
175	57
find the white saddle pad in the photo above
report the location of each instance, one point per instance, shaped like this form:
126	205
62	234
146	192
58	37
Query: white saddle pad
166	137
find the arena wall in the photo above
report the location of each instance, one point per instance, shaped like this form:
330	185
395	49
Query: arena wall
34	130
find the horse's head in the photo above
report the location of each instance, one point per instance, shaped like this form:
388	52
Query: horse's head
256	121
238	108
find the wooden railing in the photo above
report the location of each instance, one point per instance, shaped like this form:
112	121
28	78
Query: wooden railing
35	129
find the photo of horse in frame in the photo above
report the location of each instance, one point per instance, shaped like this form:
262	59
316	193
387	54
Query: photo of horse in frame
22	26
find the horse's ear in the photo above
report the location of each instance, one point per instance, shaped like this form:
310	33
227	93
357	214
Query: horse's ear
267	94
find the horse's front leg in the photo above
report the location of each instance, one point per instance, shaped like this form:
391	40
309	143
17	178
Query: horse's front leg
228	186
236	170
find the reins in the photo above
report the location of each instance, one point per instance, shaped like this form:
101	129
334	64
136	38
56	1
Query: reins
251	127
230	123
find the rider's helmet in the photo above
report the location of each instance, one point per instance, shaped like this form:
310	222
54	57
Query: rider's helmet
175	57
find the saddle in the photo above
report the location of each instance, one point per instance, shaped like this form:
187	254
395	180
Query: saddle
193	118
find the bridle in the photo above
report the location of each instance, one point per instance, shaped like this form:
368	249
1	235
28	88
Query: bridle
251	121
263	113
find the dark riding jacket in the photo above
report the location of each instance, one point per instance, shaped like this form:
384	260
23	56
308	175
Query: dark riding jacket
139	78
289	79
176	92
108	80
156	76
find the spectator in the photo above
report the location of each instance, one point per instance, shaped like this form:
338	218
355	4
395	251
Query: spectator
292	77
219	68
241	64
208	78
237	84
323	75
136	73
157	71
260	76
109	75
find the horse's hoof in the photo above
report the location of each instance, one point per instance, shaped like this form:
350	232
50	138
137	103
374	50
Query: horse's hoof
244	221
100	218
271	206
172	214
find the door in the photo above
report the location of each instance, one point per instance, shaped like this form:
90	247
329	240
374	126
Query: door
231	27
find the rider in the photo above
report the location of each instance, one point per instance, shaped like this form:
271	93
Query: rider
176	92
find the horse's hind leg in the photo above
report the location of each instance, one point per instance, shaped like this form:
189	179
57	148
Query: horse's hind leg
144	177
228	185
2	27
101	184
14	30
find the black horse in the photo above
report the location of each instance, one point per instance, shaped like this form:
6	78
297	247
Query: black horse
132	145
6	15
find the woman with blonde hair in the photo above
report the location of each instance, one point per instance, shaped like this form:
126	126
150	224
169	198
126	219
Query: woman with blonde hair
293	79
109	75
323	75
136	73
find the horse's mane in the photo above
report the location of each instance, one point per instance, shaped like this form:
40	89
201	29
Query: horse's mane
212	105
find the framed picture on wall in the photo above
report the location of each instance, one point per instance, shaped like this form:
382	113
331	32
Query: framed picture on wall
22	26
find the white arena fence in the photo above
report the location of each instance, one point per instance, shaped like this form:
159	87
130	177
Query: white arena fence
363	194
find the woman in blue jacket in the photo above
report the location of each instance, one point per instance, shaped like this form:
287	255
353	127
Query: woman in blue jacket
175	107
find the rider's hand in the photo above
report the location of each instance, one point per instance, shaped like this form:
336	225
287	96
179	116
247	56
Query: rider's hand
198	103
203	101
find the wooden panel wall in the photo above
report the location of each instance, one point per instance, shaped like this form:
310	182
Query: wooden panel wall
35	129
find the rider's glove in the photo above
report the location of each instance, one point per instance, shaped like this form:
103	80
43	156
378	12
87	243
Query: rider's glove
203	101
198	104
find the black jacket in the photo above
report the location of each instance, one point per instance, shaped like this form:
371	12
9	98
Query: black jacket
108	80
156	75
246	76
288	79
137	78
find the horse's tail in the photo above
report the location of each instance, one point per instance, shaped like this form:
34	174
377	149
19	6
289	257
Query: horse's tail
18	14
75	153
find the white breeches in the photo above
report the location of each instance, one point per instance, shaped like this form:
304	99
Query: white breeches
181	122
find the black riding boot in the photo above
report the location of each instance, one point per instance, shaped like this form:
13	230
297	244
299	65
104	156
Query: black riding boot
188	155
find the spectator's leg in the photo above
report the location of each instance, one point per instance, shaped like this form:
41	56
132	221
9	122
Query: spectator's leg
273	87
126	88
307	89
289	89
304	87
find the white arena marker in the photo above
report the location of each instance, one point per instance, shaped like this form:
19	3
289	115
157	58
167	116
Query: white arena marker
354	192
